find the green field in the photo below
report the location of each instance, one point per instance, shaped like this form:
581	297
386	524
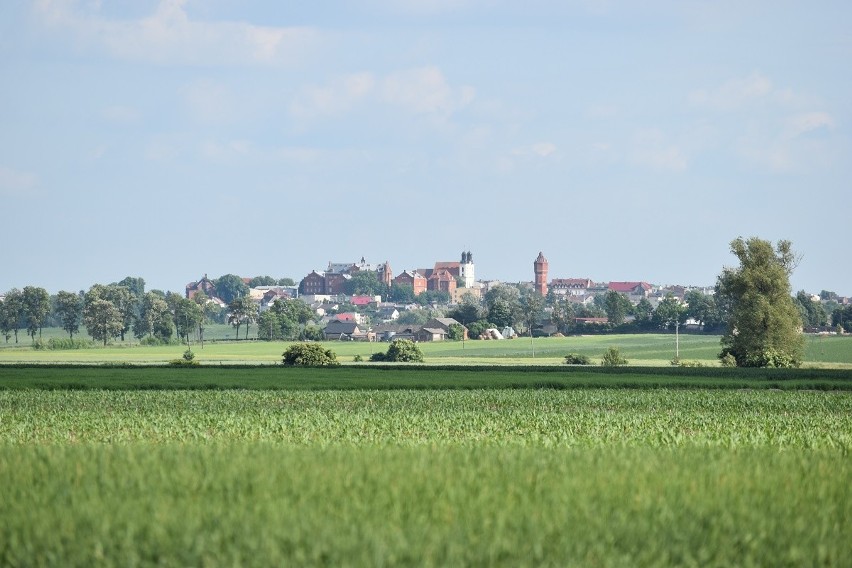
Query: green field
486	455
514	477
642	350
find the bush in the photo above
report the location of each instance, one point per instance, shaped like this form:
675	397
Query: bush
576	359
728	360
357	358
59	343
613	358
680	363
39	344
309	355
400	351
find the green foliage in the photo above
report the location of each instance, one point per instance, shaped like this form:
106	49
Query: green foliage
229	287
477	328
364	282
727	360
309	355
612	357
102	319
400	351
36	308
617	306
456	332
69	308
262	281
67	343
11	314
358	358
764	326
577	359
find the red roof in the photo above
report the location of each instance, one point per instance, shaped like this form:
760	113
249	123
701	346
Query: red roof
361	300
345	317
627	287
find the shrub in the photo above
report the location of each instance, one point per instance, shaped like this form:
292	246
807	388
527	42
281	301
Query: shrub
728	360
39	344
400	351
59	343
186	360
357	358
309	355
680	363
612	358
576	359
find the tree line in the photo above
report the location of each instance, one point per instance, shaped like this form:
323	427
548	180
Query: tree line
113	311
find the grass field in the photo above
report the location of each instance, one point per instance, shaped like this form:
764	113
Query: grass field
483	456
513	477
642	350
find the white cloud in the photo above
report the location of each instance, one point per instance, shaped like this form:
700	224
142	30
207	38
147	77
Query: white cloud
652	149
169	36
807	122
14	182
425	90
790	144
340	95
733	94
422	90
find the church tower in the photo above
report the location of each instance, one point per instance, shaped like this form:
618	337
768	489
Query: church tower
540	268
466	269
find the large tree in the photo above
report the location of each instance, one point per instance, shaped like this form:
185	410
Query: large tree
155	318
36	302
69	309
365	282
764	326
11	314
187	316
229	287
103	320
617	306
242	311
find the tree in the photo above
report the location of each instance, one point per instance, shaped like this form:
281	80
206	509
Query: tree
262	281
125	302
456	332
531	308
401	293
103	320
155	318
764	326
135	285
811	312
11	314
268	326
229	287
703	308
364	282
669	311
242	311
563	315
286	282
616	306
612	357
69	308
468	311
309	355
36	304
187	316
400	351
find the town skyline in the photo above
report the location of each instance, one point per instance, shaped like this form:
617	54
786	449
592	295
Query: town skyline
551	274
172	138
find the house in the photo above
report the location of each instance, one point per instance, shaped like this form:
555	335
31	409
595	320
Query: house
388	313
444	324
204	285
333	280
341	330
414	279
571	286
442	280
430	334
634	291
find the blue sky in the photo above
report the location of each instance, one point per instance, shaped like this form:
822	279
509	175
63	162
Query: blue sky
625	140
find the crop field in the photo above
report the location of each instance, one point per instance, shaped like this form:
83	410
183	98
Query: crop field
433	476
640	350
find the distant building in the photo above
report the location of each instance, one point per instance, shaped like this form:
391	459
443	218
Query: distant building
204	285
333	279
540	268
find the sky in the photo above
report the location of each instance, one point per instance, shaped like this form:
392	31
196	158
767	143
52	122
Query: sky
625	140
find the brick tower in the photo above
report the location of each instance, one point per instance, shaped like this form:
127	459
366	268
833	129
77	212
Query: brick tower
540	267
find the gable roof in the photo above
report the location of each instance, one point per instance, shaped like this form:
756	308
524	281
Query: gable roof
627	287
335	327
